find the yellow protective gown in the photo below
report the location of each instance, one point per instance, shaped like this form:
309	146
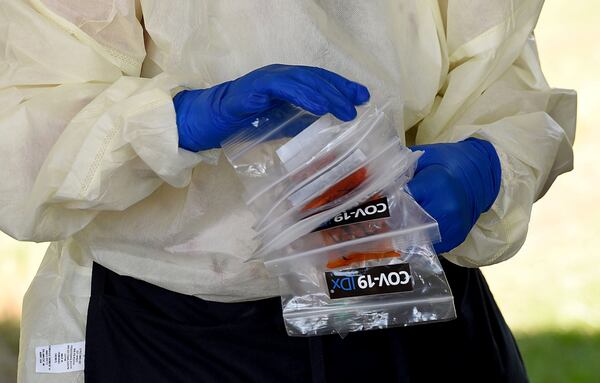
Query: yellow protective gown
89	147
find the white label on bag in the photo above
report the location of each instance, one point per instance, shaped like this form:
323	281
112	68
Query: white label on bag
302	142
60	358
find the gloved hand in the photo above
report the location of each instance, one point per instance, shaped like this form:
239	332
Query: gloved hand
455	183
206	117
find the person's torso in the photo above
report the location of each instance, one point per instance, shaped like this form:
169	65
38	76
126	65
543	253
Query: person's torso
195	240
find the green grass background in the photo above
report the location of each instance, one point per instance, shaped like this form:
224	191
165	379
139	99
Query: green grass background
550	291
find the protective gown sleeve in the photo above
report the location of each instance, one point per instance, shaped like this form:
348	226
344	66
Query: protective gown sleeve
80	131
495	90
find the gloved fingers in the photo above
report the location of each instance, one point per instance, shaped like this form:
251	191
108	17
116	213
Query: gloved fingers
441	247
421	160
234	106
339	105
443	197
305	96
357	93
422	190
415	148
426	158
420	187
294	92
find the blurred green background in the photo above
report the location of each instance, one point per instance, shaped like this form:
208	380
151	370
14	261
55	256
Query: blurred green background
550	291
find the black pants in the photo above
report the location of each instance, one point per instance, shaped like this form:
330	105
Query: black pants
138	332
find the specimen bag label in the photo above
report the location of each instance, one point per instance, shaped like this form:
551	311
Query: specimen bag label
59	358
369	281
370	210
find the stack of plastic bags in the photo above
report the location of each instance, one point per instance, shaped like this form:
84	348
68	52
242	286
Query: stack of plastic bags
352	250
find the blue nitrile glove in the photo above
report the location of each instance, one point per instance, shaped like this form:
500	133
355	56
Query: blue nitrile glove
455	183
206	117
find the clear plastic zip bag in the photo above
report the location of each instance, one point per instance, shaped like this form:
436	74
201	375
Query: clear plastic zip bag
391	218
355	183
296	223
369	267
279	173
333	183
374	294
